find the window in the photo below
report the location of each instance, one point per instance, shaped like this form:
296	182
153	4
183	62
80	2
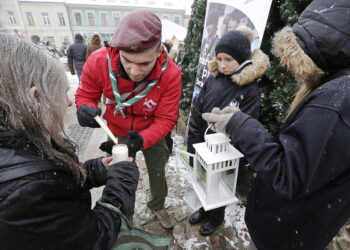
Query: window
12	17
77	17
165	17
116	18
45	17
30	19
104	21
61	19
177	19
151	1
91	18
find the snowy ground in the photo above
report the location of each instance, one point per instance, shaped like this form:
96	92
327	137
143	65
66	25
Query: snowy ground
232	234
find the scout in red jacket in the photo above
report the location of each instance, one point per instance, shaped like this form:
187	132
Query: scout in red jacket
142	86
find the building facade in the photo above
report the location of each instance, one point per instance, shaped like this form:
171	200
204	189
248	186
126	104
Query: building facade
88	17
11	17
46	20
57	21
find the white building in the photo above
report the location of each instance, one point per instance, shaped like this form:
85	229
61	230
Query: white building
47	20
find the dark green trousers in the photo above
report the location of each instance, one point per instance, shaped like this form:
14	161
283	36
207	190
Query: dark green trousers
156	158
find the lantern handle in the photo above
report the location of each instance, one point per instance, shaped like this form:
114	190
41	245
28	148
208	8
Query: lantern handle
205	133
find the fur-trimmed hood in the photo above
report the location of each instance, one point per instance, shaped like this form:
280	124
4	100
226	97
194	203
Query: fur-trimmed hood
293	57
250	72
317	43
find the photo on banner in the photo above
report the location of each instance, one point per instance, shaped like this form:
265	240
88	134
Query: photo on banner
222	16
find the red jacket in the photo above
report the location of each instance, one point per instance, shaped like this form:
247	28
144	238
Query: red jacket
153	117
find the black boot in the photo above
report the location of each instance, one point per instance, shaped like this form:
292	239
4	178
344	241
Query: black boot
207	229
197	216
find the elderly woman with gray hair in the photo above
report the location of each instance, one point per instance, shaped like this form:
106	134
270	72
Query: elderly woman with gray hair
45	201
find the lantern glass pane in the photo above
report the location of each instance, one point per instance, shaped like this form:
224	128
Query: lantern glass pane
228	179
201	176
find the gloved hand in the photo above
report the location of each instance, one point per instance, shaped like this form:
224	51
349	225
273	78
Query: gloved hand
220	118
107	146
134	143
72	72
86	116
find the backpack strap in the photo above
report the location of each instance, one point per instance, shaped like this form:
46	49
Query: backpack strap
125	223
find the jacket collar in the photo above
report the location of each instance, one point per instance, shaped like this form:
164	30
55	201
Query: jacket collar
117	65
248	72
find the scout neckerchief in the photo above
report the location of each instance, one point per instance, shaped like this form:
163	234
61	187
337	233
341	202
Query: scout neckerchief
120	105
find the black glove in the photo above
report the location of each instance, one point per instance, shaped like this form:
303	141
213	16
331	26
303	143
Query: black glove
134	142
107	146
72	72
86	116
96	173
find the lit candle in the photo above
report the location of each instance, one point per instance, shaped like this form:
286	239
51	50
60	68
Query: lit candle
120	153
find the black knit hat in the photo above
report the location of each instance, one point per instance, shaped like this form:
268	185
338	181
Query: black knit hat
235	44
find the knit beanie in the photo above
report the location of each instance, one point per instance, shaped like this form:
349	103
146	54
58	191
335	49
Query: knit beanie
235	44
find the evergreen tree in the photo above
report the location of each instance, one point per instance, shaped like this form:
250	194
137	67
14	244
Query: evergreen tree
191	52
278	87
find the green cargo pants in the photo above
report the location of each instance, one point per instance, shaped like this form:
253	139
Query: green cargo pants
156	158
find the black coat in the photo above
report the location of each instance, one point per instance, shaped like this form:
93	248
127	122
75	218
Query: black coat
42	207
239	90
76	54
301	196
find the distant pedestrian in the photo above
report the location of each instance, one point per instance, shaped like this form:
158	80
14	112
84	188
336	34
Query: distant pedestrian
77	56
94	44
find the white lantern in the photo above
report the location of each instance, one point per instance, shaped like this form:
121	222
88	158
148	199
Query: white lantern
215	171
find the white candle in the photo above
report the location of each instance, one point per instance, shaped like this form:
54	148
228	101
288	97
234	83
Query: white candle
120	153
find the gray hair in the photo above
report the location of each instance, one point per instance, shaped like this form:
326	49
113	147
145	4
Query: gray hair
40	118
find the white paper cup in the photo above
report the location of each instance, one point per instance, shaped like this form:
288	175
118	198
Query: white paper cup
120	153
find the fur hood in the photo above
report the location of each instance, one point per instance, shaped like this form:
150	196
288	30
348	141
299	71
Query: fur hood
259	65
293	57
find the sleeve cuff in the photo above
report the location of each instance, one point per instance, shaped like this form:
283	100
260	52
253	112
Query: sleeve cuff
236	122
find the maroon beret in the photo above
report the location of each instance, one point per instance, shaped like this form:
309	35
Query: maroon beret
137	32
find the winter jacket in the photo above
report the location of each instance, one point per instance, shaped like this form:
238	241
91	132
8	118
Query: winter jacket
153	117
238	90
301	196
42	207
94	45
76	53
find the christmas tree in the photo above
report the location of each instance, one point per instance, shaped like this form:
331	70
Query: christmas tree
191	52
278	87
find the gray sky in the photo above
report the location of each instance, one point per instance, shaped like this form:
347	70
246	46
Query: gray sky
188	4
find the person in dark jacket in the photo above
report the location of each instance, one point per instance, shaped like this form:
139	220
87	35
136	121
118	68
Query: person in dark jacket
45	202
233	82
95	44
300	198
77	55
